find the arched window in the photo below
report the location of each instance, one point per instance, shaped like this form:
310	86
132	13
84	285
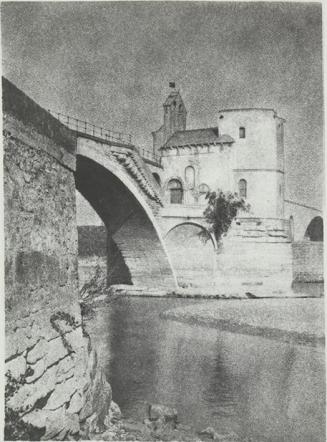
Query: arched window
180	108
176	191
242	188
242	132
190	177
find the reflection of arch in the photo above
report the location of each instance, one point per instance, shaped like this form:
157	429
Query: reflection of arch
315	230
176	191
127	217
242	188
157	178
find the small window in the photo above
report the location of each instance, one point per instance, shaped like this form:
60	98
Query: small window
280	190
190	177
176	191
242	188
242	132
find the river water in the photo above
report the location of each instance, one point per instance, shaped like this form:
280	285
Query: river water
258	388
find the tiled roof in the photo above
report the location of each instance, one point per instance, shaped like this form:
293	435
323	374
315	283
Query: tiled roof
197	136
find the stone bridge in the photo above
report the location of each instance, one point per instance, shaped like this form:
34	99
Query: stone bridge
48	356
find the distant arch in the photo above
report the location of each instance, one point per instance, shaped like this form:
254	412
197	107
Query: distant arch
315	229
157	178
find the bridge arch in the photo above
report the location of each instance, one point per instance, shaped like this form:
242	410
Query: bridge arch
193	258
211	237
134	241
315	229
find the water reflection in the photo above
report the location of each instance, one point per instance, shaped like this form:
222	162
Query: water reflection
259	388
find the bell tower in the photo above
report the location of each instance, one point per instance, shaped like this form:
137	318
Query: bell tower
174	114
174	119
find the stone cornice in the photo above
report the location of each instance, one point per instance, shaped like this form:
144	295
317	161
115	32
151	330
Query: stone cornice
132	162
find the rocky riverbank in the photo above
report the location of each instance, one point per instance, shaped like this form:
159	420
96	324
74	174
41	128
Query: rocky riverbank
160	424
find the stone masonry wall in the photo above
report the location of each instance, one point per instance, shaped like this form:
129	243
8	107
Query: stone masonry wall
256	262
308	261
50	367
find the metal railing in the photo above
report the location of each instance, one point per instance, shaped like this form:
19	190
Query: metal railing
91	129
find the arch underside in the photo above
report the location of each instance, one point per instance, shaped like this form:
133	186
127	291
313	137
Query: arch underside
135	253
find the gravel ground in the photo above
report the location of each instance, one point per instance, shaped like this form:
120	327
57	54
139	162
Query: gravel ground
290	320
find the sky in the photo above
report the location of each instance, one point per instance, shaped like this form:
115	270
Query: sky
110	63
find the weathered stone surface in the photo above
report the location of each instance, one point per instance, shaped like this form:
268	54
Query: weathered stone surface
37	371
44	339
68	423
17	366
65	368
50	352
29	394
76	403
62	394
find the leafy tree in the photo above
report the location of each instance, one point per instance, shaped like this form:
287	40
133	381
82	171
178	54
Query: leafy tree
222	208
